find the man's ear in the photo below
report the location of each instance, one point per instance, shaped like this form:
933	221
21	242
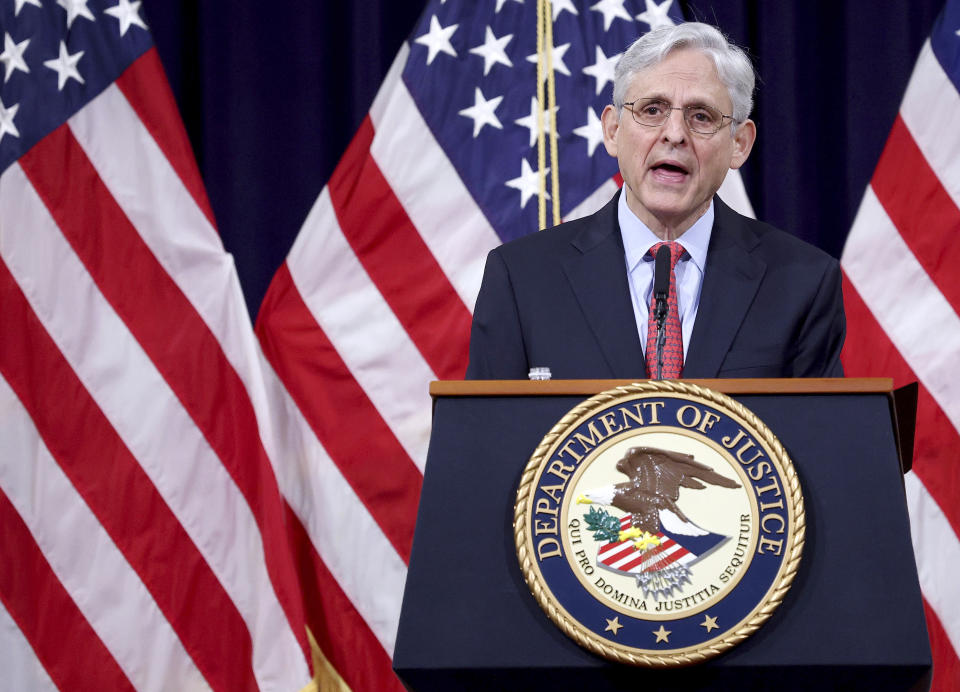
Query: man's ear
610	121
743	140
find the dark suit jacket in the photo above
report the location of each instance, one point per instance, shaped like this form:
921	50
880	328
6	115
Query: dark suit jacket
770	305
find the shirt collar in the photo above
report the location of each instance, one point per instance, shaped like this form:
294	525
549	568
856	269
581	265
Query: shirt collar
638	238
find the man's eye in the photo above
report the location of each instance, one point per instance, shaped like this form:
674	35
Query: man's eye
653	109
701	115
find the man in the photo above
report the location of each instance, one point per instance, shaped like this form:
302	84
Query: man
745	300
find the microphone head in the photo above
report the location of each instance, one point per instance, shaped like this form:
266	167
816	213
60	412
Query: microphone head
661	272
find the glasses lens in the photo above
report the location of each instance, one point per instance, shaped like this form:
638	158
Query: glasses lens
703	119
651	112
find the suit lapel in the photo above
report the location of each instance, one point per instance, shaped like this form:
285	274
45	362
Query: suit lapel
730	283
598	276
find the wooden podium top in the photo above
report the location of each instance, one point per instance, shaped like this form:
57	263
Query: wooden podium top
812	385
903	400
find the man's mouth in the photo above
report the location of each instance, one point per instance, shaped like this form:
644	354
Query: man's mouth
669	172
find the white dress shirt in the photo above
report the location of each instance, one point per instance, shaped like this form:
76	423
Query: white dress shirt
637	241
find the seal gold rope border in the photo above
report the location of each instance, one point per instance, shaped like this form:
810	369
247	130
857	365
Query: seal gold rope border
598	645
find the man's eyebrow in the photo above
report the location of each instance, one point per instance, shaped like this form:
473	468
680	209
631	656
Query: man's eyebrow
700	104
659	96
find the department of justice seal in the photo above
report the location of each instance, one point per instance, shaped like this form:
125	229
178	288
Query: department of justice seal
659	524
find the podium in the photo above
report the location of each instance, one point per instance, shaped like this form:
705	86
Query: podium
853	619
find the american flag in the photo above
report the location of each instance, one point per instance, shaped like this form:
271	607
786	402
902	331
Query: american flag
902	294
157	458
142	520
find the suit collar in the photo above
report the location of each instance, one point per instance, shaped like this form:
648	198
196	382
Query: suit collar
730	283
638	238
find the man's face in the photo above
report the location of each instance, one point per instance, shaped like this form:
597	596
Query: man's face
670	173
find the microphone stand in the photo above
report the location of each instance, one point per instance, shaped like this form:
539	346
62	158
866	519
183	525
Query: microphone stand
661	290
661	315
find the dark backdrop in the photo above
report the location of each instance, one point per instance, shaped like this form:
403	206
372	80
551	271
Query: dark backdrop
271	94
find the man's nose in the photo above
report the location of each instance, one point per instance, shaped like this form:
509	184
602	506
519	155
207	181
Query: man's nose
675	130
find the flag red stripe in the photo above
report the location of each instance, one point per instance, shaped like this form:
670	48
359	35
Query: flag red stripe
633	563
173	335
398	261
146	88
339	629
69	650
868	352
122	497
343	418
624	551
946	665
920	208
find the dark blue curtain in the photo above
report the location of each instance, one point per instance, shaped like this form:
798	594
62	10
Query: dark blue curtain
832	75
271	94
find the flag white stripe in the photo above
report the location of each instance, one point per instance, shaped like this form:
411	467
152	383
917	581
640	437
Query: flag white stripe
734	194
931	109
137	401
428	186
154	199
594	201
384	93
84	558
363	329
346	537
22	669
937	550
909	307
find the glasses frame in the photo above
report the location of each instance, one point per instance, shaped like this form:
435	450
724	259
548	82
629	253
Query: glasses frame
723	116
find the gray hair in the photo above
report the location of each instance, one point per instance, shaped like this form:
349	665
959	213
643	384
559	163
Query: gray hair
733	66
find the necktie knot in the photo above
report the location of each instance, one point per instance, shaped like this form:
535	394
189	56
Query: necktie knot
676	251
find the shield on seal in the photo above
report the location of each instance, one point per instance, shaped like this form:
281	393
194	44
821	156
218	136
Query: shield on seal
660	562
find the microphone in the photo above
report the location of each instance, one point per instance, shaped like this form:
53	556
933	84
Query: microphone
661	287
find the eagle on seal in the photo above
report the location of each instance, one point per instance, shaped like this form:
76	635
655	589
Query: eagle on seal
656	476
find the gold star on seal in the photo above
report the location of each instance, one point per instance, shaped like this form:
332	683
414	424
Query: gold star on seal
710	623
613	625
663	635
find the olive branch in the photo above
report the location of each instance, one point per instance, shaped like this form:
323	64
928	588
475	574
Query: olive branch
605	526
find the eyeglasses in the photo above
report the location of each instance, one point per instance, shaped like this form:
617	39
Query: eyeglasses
705	120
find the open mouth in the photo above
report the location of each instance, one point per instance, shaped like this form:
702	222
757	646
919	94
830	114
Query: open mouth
669	172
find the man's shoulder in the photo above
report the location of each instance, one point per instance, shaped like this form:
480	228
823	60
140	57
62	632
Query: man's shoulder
768	241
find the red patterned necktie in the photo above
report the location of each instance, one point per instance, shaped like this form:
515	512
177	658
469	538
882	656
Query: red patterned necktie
673	345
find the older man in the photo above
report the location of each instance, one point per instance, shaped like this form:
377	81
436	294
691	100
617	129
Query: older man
745	299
